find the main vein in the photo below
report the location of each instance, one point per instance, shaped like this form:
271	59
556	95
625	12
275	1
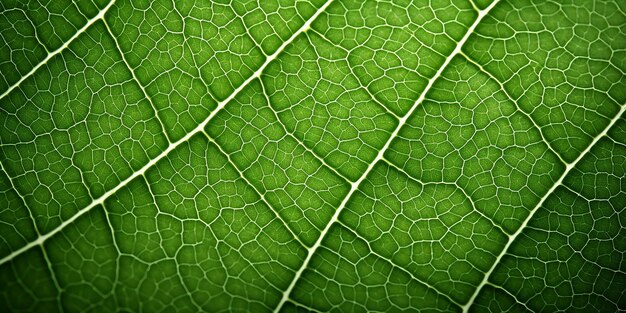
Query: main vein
96	202
355	185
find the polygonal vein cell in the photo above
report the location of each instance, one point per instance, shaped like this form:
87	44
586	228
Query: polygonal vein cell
17	227
468	132
210	225
29	30
570	256
320	101
396	46
299	187
190	54
564	64
344	276
431	230
76	129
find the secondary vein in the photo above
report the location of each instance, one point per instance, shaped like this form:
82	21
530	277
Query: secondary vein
379	156
60	49
558	183
100	200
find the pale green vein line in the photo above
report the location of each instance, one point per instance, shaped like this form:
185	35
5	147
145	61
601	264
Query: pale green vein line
511	295
298	304
506	93
118	257
381	153
453	184
257	191
558	183
30	213
170	147
180	277
132	72
52	54
473	3
53	275
400	268
615	142
317	156
577	193
366	87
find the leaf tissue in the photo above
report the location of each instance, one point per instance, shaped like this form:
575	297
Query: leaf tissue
312	156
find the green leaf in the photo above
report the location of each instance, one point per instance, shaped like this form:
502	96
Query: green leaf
296	156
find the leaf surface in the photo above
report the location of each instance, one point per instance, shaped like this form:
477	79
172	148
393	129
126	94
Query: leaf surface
290	155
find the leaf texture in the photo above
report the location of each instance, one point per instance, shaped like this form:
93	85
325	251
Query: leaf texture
312	156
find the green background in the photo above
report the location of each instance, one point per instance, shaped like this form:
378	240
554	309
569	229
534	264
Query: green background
288	155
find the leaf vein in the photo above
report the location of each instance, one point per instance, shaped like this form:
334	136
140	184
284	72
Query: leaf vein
558	183
169	148
60	49
379	156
